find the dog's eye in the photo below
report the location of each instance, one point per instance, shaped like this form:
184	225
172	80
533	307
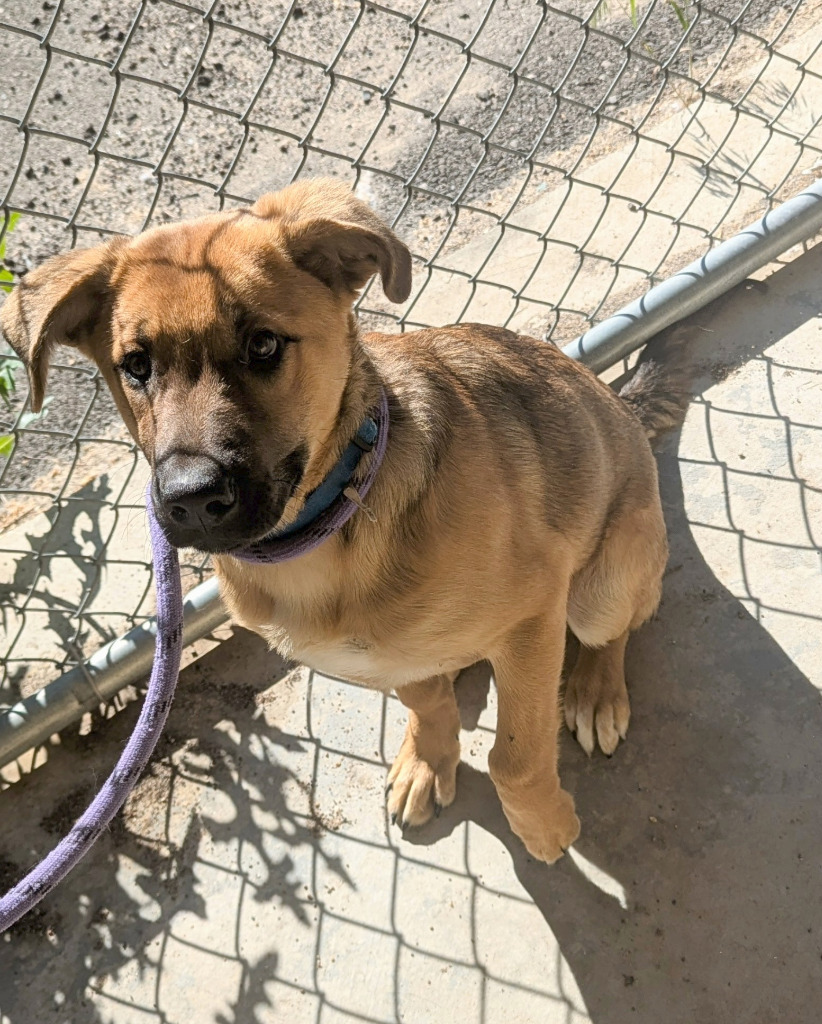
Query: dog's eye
137	365
264	345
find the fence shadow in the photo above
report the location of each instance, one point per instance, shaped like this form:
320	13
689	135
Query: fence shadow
62	540
110	921
706	819
706	822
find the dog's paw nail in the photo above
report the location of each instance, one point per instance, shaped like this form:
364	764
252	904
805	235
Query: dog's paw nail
394	818
437	809
404	825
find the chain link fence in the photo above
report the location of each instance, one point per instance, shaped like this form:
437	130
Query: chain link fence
545	162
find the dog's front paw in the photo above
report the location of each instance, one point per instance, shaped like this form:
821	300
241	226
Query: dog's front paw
420	786
547	827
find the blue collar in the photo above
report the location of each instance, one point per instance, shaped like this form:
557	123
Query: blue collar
329	506
336	482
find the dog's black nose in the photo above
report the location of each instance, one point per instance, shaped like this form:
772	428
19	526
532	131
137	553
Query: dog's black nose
194	490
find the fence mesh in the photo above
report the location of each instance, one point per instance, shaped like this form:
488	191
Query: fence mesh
546	163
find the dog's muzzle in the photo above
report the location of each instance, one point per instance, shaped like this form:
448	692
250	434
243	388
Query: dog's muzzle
194	492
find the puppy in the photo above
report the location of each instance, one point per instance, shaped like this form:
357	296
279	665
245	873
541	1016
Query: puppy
517	495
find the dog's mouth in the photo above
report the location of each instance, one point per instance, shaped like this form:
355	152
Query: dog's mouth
254	514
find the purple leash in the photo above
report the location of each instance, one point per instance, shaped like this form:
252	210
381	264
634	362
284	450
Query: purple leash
167	652
165	670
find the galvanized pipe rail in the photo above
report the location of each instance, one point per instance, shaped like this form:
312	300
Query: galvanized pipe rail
702	281
120	663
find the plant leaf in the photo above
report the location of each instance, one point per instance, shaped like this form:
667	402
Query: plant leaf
6	275
28	418
6	445
601	11
7	384
681	16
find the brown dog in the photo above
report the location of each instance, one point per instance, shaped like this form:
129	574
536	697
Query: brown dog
518	493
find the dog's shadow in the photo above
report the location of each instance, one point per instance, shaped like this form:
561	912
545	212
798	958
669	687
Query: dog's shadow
707	822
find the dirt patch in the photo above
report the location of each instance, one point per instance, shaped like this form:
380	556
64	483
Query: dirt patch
61	818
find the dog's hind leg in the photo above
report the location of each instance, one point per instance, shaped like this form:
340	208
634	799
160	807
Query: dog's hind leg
596	696
423	777
613	595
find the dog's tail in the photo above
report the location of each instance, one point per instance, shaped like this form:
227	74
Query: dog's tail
659	391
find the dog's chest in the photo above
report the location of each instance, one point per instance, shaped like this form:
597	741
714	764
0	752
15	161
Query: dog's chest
309	619
352	658
379	663
362	661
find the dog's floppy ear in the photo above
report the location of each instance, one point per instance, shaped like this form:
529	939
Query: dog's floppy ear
331	234
61	302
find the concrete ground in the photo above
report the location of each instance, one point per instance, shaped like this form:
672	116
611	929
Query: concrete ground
255	878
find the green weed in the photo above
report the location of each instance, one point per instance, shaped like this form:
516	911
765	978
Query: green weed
7	365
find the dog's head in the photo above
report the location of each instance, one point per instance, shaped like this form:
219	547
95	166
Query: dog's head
227	343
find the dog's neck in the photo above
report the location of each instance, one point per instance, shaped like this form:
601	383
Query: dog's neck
352	456
359	397
329	507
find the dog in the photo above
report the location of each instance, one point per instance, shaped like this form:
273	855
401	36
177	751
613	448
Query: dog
517	495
